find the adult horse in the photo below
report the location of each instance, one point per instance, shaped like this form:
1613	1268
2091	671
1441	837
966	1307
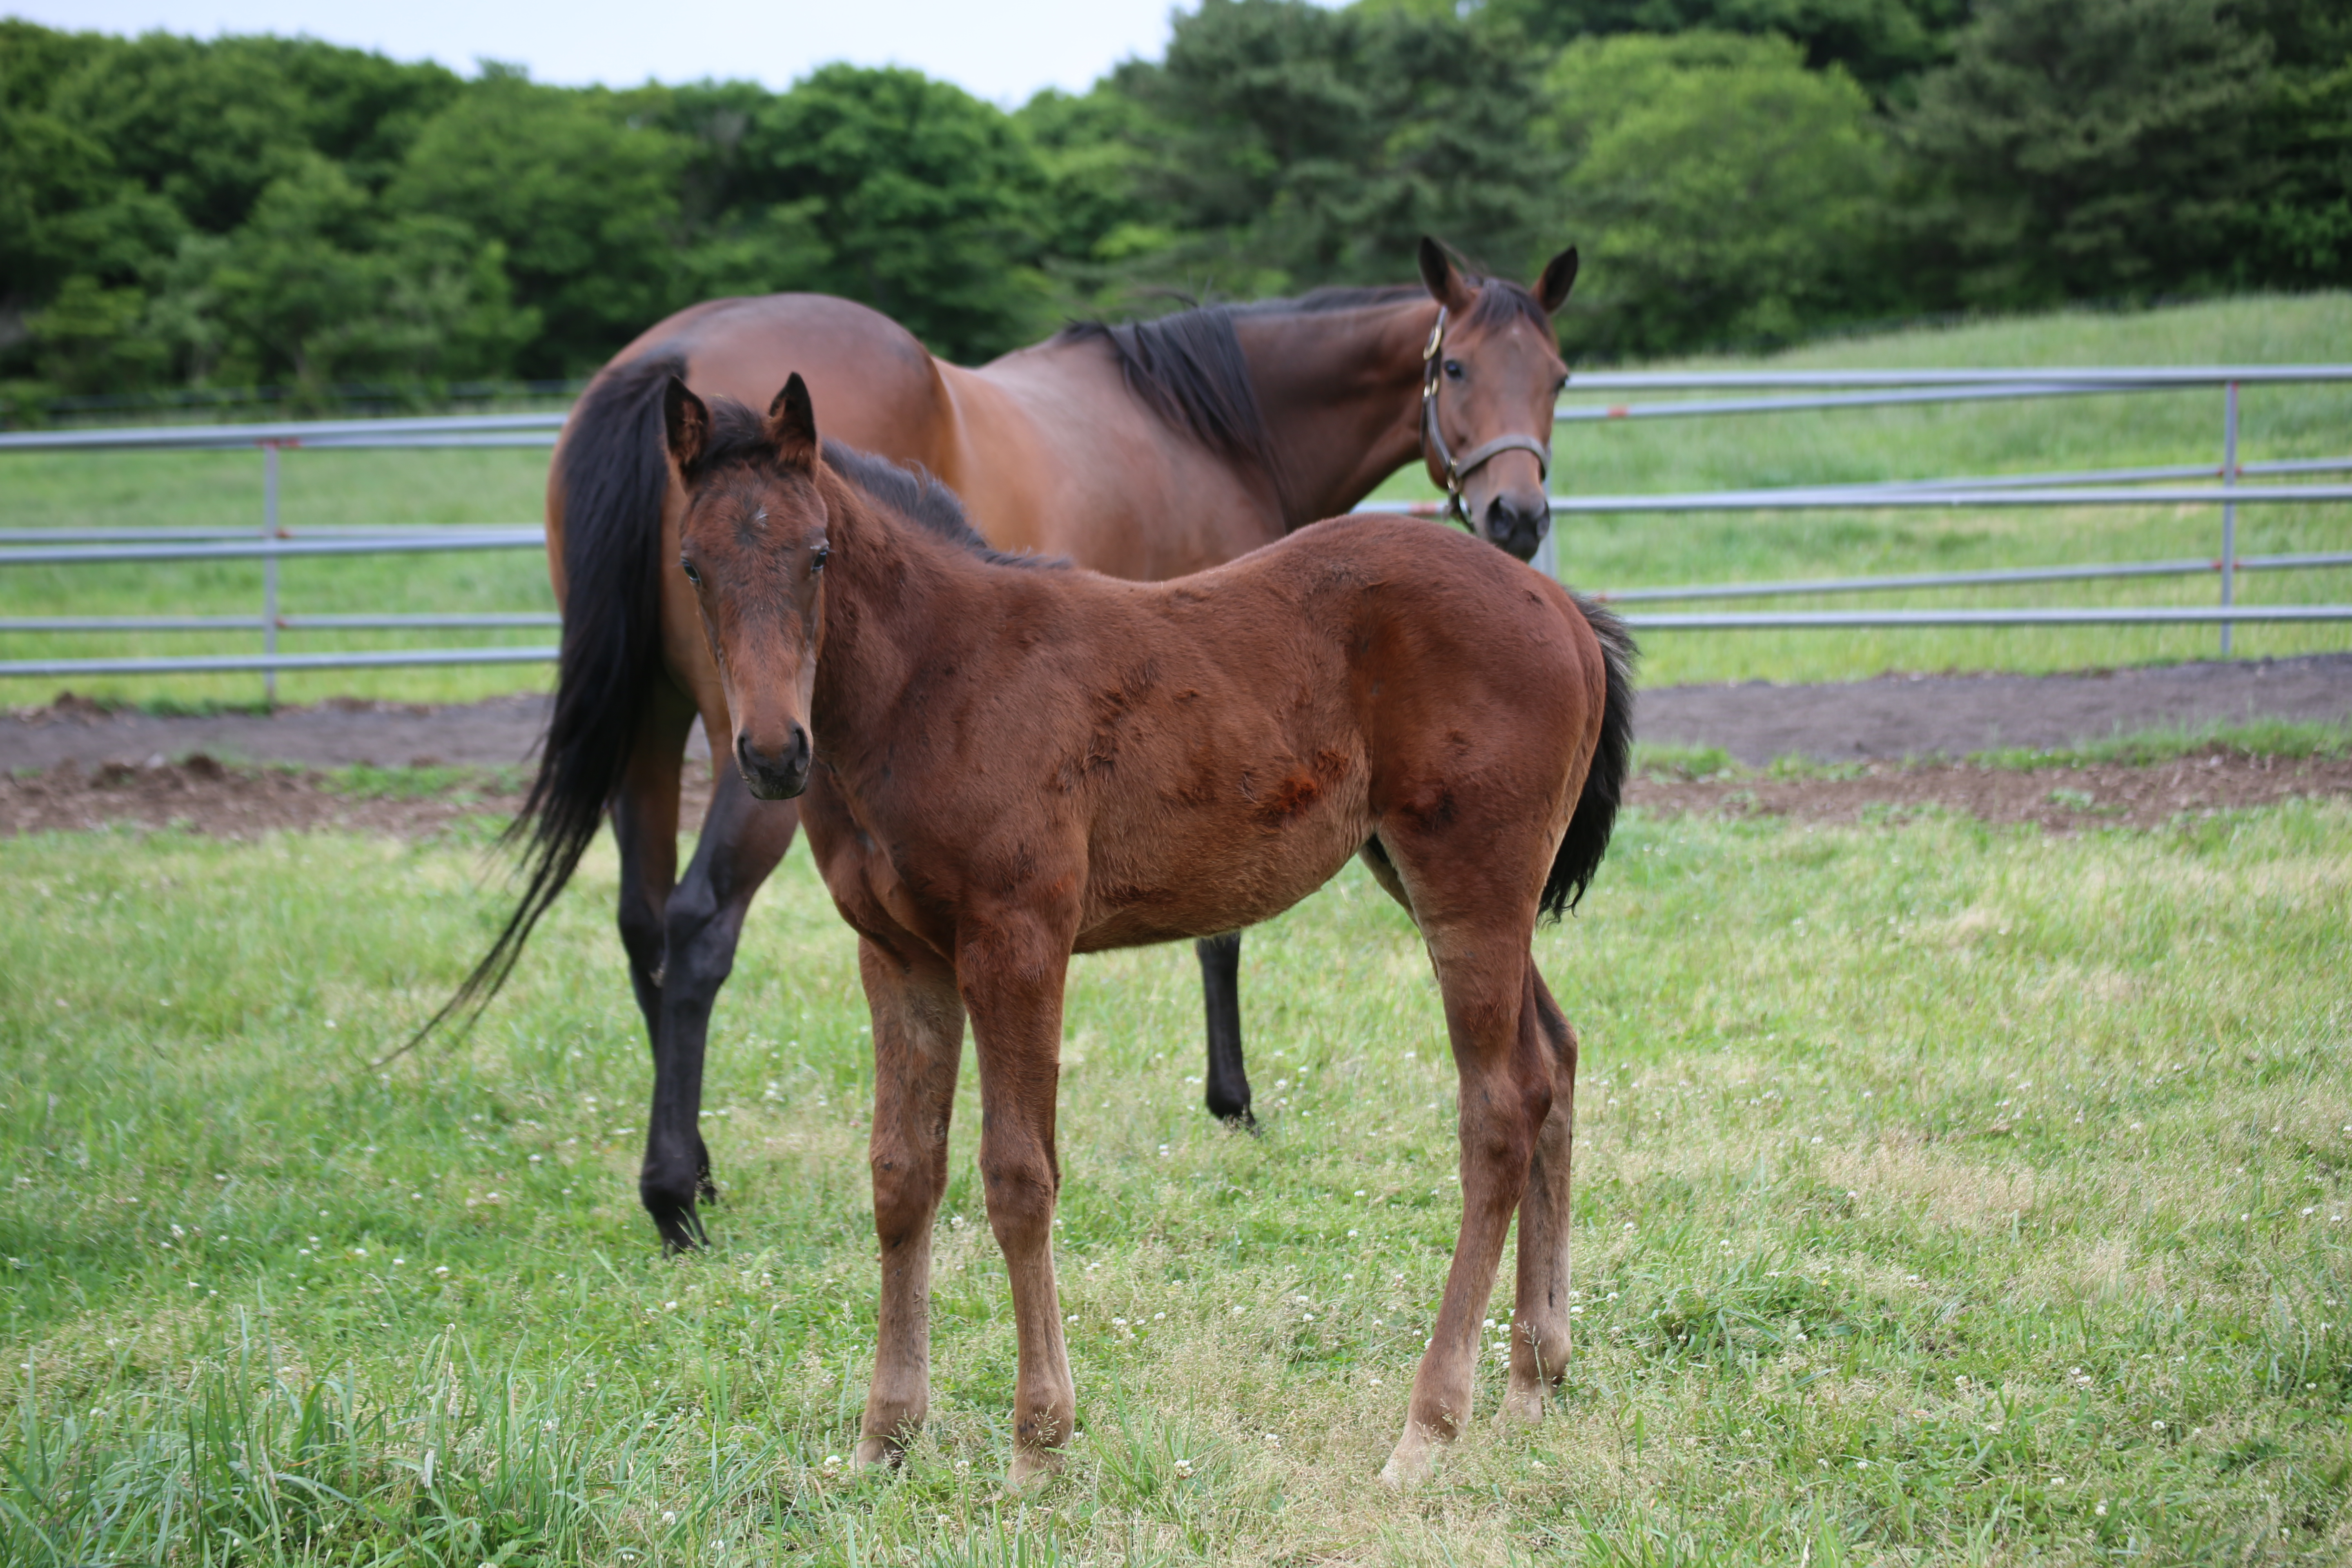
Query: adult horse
1145	451
1005	762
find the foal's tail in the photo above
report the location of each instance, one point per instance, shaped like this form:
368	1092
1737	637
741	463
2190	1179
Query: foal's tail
1604	785
615	471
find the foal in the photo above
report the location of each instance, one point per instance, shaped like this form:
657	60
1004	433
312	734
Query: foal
1007	762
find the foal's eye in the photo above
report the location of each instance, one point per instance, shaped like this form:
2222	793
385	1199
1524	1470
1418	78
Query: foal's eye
817	559
1453	370
691	574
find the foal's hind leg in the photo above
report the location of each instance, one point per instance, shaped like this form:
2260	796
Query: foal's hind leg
1540	1326
1506	1099
1228	1089
918	1040
742	839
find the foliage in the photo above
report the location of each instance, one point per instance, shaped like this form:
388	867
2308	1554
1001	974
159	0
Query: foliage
2088	148
1731	194
204	215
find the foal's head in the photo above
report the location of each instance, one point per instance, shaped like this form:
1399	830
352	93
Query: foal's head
753	544
1492	376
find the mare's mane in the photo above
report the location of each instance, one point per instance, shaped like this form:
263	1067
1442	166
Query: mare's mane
1188	366
737	435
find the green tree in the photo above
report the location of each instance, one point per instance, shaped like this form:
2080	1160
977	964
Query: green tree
1883	44
2086	149
1299	147
1720	192
585	204
921	201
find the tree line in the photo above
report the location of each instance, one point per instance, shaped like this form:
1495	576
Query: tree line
252	210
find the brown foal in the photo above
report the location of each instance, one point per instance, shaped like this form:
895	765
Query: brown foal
1001	763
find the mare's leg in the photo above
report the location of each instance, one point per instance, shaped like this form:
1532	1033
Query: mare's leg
917	1041
1229	1090
742	839
1506	1099
1540	1325
1011	979
645	830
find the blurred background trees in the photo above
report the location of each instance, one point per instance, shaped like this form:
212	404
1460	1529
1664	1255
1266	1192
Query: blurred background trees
251	211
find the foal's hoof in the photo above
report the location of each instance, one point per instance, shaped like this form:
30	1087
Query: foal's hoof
878	1454
1032	1468
1409	1466
1522	1407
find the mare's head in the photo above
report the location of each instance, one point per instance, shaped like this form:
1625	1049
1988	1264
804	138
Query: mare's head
753	545
1492	376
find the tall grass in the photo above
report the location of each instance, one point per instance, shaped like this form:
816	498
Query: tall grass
1947	1194
505	487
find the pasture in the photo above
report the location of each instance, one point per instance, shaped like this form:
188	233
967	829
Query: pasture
505	487
1946	1194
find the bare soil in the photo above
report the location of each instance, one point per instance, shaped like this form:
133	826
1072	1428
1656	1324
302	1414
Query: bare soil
204	796
72	766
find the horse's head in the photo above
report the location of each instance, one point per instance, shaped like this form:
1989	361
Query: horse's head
1493	372
753	545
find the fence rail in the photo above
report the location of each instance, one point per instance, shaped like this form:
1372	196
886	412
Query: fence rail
1791	390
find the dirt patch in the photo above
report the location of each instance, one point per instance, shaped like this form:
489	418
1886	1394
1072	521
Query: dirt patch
204	796
2060	799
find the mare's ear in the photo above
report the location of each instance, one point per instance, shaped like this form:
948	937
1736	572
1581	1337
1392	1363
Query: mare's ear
792	424
1558	277
1446	283
685	423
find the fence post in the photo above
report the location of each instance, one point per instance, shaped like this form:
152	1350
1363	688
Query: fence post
2229	508
269	532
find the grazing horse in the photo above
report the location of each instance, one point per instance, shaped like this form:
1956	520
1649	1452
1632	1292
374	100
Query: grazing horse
1146	451
1006	761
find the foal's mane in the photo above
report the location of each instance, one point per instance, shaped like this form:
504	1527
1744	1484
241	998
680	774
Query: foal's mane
738	436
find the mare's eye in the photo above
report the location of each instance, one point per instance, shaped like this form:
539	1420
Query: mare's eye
691	574
1453	370
817	559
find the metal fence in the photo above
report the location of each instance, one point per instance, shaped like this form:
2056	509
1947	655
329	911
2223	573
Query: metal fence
272	542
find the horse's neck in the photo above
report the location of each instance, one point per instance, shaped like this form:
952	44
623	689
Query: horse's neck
890	592
1340	391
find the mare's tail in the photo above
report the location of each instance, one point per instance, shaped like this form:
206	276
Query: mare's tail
615	469
1604	785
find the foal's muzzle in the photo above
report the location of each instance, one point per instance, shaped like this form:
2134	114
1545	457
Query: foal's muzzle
779	774
1517	523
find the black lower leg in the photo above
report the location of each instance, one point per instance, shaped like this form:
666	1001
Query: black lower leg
1229	1090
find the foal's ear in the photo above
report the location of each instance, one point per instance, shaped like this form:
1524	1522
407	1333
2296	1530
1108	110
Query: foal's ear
792	424
685	423
1444	280
1558	277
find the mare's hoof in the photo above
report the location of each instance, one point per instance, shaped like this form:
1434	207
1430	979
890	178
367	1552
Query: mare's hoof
674	1216
1239	1120
1032	1468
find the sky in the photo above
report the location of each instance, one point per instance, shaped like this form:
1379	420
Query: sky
1002	50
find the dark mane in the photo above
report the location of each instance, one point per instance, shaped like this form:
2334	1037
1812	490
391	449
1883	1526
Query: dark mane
740	435
1189	368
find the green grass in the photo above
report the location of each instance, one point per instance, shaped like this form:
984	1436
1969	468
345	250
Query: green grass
2138	748
1947	1194
504	485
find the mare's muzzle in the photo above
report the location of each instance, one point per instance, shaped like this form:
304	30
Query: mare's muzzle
1516	522
779	774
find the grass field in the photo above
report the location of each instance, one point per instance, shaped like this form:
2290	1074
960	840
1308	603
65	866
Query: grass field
1947	1194
1976	438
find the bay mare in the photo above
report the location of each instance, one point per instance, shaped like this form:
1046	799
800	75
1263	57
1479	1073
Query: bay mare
1146	451
1005	762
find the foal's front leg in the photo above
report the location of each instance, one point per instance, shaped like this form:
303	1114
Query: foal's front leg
917	1043
1012	981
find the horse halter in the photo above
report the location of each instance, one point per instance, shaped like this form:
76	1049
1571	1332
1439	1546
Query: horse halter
1443	465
